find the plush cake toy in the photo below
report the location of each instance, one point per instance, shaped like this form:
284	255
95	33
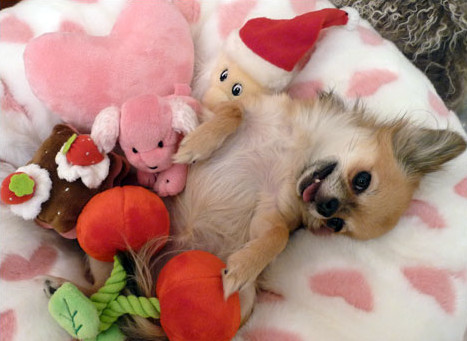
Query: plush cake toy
66	171
149	129
265	54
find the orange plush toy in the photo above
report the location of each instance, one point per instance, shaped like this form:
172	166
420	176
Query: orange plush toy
119	219
191	297
189	287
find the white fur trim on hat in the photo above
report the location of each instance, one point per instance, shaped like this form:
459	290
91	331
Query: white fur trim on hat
353	18
265	73
31	208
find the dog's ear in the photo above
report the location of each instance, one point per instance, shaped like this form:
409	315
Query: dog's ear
422	150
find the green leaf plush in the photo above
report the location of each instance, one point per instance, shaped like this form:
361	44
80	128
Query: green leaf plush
74	312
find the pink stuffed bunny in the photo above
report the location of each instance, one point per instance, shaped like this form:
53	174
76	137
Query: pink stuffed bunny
149	129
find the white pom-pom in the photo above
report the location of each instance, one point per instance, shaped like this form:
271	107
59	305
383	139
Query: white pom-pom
354	18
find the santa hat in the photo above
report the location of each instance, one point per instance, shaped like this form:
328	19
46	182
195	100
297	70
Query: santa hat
270	50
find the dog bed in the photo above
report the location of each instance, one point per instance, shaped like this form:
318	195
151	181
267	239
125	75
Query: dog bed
410	284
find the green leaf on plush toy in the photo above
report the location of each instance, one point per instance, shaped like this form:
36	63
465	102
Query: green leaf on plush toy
68	144
74	312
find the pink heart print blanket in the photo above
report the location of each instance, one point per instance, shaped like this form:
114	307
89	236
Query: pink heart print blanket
410	284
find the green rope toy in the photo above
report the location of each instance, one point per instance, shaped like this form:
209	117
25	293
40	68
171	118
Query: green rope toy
92	319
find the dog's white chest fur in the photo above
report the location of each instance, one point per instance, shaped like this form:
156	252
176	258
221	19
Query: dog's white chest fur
222	194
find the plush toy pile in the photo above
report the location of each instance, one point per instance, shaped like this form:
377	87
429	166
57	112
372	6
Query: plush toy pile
76	60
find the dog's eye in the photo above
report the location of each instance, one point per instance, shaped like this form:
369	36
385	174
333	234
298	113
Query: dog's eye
361	182
134	150
160	144
336	224
237	89
224	75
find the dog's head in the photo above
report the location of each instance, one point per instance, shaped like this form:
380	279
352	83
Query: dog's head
362	175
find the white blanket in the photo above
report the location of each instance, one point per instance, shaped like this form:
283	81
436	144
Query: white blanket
410	284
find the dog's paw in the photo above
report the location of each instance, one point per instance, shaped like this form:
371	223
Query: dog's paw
198	145
239	273
51	284
187	153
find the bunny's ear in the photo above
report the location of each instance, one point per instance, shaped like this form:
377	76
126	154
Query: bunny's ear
184	116
106	129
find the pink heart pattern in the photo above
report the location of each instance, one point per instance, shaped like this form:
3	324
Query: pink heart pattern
14	30
351	285
437	104
17	268
76	75
303	6
427	213
433	282
367	82
8	325
369	36
232	15
461	188
270	334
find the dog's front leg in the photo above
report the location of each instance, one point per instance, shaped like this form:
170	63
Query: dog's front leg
210	135
269	234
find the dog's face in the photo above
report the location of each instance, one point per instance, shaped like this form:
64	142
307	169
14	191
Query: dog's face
362	176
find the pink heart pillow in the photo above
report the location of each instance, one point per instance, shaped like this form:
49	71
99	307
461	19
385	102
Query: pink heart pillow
149	50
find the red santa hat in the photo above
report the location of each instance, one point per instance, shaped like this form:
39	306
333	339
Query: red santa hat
271	50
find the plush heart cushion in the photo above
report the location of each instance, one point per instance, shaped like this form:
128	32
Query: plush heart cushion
149	50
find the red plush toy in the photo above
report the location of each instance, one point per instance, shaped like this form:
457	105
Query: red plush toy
121	218
192	302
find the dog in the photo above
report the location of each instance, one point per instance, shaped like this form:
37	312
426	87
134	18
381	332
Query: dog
271	164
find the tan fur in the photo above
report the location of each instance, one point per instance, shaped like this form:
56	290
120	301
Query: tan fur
379	208
211	134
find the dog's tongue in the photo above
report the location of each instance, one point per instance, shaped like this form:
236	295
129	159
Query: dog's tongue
310	192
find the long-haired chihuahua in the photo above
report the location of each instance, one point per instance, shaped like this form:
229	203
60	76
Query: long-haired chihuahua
270	164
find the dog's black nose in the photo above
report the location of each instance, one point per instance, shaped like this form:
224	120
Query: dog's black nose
327	207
